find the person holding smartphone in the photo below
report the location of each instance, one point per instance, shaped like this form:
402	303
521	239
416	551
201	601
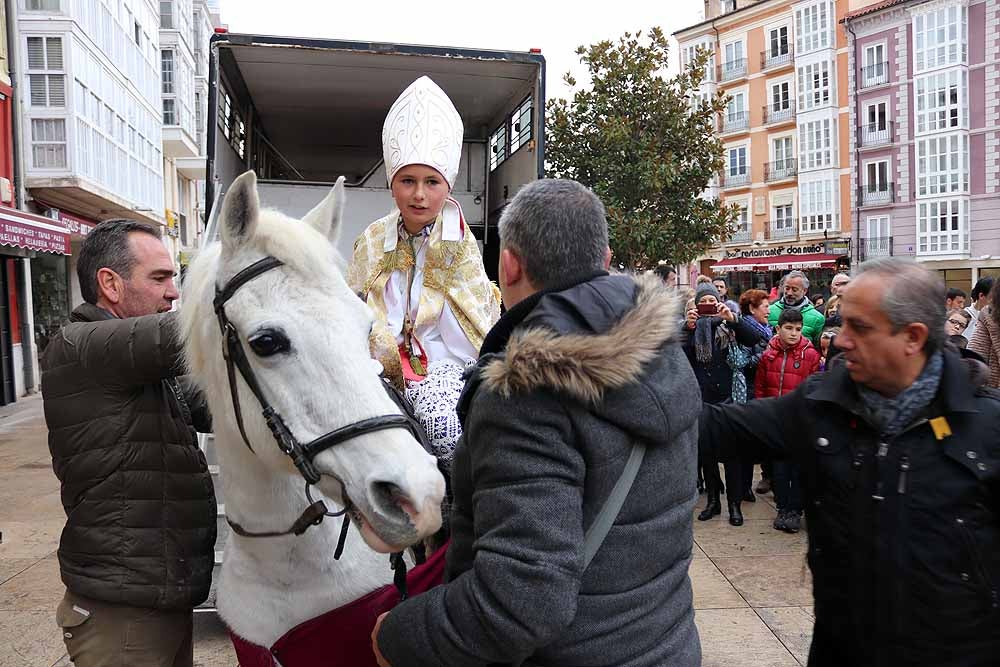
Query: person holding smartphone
713	334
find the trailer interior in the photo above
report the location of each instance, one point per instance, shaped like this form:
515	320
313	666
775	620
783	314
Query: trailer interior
301	113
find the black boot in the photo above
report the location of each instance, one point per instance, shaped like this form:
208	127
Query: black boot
749	497
735	515
713	508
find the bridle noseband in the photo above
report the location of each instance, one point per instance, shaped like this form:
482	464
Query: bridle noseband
302	455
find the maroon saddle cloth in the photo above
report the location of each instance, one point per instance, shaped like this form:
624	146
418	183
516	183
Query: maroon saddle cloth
342	637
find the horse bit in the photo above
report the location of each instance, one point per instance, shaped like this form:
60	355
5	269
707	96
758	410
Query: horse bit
302	455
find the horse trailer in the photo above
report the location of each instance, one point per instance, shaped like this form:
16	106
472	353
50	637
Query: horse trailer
302	112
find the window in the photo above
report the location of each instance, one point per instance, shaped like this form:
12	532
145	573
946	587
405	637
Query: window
781	96
818	205
741	228
690	54
138	34
521	125
813	27
817	144
942	226
814	85
876	188
166	14
875	66
42	5
736	166
498	147
783	219
46	82
167	71
734	60
878	238
48	143
169	111
777	48
941	37
226	114
783	152
875	127
942	101
736	112
942	164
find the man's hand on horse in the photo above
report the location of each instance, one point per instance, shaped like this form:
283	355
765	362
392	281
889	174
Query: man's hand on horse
382	662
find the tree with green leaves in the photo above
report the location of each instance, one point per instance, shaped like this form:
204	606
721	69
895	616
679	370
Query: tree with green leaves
647	146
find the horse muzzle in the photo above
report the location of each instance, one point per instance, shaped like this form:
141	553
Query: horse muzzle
391	519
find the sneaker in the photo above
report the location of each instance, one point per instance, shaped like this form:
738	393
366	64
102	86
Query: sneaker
793	521
779	521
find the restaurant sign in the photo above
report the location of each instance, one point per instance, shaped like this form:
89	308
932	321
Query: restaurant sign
775	251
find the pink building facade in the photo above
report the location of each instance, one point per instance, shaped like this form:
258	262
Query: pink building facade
924	96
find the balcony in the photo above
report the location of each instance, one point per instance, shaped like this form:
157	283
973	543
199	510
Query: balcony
773	114
732	70
876	246
781	230
874	75
728	180
771	58
740	236
876	194
735	121
876	134
780	170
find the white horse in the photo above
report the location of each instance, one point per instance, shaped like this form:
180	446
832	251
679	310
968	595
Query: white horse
306	337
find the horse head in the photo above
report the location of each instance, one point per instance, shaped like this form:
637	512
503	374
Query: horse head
305	335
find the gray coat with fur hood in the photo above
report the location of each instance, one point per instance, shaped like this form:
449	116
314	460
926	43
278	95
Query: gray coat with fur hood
567	381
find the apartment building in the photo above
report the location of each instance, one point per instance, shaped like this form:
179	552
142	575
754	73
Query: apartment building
924	80
186	27
783	65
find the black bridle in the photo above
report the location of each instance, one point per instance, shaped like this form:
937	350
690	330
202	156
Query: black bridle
302	455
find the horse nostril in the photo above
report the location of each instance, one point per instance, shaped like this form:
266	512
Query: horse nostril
389	497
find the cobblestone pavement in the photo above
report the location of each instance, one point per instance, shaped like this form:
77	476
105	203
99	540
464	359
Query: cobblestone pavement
751	586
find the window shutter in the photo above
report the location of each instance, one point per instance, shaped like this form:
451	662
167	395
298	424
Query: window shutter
36	82
54	52
57	90
36	53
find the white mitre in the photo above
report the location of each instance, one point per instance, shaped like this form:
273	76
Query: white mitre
423	127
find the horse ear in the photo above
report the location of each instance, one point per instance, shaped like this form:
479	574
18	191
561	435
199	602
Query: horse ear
240	210
327	215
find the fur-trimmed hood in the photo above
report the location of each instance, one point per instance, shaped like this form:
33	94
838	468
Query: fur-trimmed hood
606	343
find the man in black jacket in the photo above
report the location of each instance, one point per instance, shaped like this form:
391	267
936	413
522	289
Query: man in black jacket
137	550
900	458
581	367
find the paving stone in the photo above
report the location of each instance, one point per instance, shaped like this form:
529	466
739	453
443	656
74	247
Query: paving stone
793	626
711	589
775	581
754	538
31	539
29	639
37	588
739	637
12	566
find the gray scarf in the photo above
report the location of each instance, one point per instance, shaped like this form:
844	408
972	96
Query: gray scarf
891	415
798	306
703	337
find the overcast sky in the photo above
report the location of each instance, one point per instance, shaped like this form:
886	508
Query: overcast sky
555	26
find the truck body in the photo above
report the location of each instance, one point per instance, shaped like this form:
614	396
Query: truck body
302	112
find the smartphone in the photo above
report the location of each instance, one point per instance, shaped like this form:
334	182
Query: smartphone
708	309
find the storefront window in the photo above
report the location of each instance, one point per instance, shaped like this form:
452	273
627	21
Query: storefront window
49	292
958	278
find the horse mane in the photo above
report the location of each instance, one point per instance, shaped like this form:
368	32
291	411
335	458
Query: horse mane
298	245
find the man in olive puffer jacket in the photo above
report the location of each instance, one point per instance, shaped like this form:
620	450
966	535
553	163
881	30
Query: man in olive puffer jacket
136	554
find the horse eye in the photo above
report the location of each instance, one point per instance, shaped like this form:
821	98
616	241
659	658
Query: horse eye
269	342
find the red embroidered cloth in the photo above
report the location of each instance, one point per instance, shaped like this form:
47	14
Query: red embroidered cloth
341	637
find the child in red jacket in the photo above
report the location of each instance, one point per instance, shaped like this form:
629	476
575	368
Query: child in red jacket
789	359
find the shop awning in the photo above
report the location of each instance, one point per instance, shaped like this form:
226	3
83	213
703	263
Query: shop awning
33	232
817	260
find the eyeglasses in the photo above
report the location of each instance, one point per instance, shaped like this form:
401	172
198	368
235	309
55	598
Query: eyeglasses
958	323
